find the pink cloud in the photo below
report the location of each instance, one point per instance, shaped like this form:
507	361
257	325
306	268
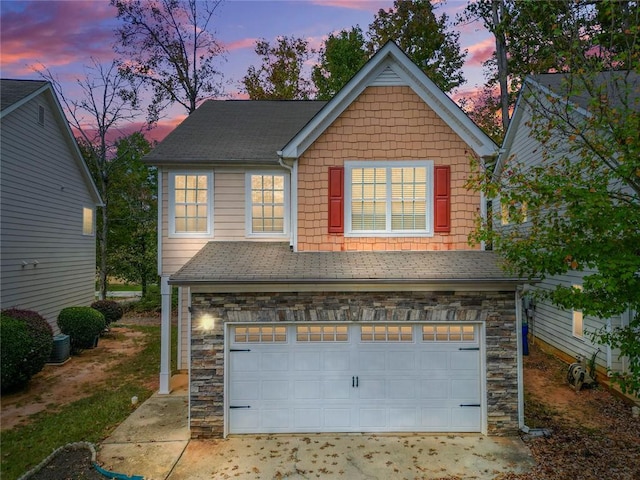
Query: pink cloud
56	34
480	52
240	44
366	5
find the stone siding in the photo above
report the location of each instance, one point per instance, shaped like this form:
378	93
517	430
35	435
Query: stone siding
495	309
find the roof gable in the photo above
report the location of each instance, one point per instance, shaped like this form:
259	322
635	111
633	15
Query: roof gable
391	66
16	93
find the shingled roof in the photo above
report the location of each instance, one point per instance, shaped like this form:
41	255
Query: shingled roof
235	131
12	91
274	262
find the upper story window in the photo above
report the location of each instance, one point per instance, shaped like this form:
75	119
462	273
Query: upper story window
267	201
394	198
190	203
88	221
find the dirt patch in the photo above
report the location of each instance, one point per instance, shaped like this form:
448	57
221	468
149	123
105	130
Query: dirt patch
58	385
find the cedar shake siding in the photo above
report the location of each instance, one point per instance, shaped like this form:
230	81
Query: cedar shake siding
384	123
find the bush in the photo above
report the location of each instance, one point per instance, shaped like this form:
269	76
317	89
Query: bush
82	324
111	310
41	334
15	347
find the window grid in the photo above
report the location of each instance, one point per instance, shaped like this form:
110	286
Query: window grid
322	333
386	333
260	334
267	203
388	199
191	206
408	203
448	333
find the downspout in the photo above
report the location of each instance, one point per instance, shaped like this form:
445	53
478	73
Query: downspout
520	374
293	217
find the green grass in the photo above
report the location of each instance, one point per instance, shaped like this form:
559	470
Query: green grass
124	287
91	419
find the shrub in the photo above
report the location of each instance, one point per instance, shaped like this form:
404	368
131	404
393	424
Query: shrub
82	324
41	335
111	310
15	347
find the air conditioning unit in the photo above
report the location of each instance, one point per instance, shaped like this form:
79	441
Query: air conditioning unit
61	349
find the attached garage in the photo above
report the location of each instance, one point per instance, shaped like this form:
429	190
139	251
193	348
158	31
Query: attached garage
303	342
354	378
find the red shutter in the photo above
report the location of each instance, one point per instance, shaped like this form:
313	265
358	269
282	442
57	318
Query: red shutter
442	198
336	199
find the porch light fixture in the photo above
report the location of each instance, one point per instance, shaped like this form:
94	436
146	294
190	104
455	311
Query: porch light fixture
207	322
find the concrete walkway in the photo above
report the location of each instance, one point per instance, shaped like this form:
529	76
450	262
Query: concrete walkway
154	442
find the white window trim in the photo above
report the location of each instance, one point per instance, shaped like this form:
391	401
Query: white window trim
172	204
93	221
248	205
349	165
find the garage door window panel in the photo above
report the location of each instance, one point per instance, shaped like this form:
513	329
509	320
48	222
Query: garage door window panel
386	333
260	334
448	333
322	333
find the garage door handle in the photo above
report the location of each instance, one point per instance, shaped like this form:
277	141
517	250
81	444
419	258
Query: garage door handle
239	350
469	348
239	406
469	404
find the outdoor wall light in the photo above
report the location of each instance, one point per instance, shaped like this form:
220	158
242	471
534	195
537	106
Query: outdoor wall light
207	322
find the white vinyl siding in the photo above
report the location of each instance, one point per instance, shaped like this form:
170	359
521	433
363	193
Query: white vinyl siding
46	261
267	204
389	198
190	203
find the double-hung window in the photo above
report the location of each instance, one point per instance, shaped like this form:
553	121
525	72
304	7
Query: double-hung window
389	198
190	204
88	221
267	203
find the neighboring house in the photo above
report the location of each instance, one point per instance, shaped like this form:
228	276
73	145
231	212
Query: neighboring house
47	205
325	279
555	329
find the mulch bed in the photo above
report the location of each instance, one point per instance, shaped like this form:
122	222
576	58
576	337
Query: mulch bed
72	462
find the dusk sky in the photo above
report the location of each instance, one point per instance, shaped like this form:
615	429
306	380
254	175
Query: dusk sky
64	35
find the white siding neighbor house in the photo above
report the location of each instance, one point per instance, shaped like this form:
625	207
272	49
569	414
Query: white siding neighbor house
326	282
557	330
47	205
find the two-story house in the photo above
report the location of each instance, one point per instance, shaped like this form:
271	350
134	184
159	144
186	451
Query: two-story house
320	253
47	205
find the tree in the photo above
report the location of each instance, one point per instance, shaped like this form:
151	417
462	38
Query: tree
341	58
583	198
133	210
109	100
169	46
524	32
425	38
280	75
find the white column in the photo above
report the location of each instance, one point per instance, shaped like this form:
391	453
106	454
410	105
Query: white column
165	337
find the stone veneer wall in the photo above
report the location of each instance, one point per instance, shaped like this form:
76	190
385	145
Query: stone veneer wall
495	309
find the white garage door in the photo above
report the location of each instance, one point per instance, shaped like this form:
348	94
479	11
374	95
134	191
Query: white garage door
353	378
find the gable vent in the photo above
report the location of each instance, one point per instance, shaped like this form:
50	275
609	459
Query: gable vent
388	78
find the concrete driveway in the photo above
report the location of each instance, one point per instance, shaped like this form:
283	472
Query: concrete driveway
353	457
154	442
